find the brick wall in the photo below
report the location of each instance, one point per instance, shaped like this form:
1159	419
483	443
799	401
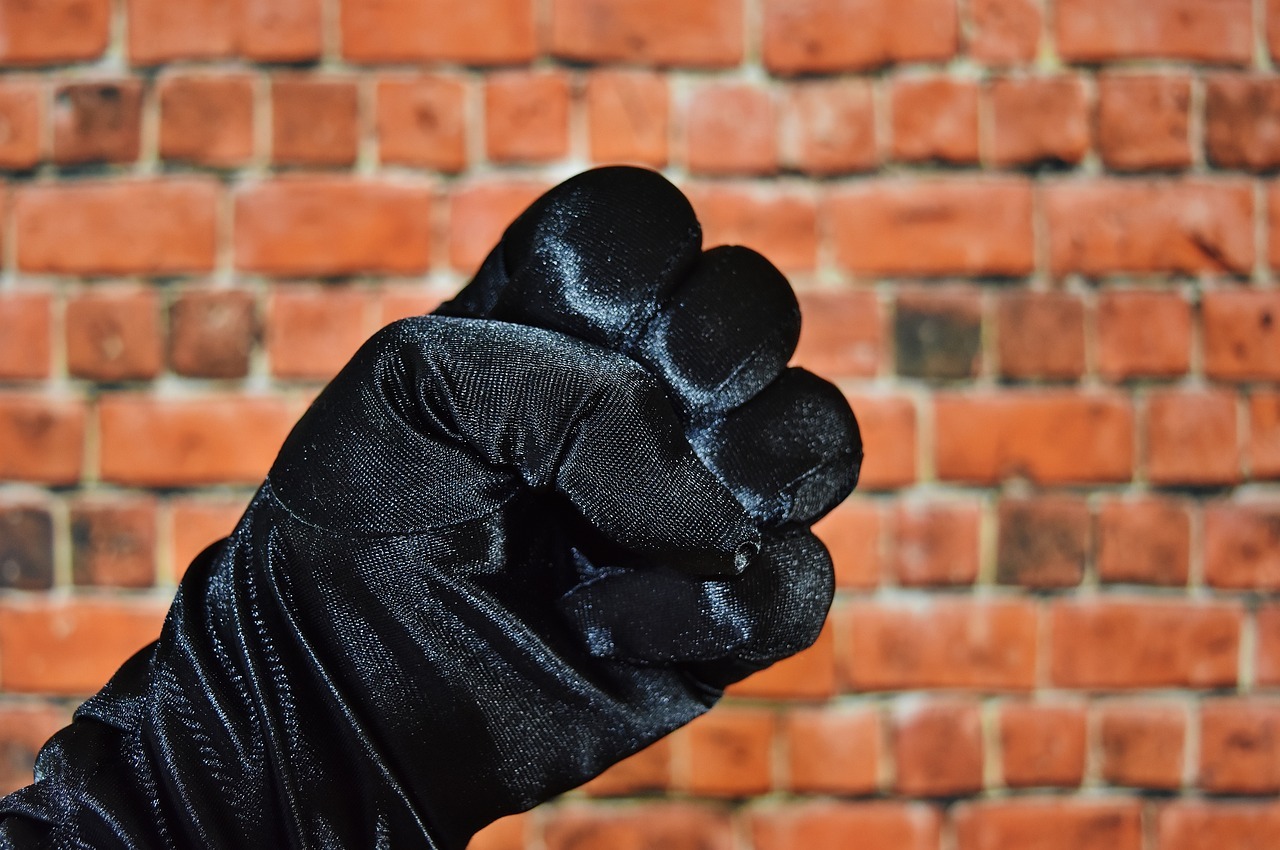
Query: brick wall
1037	243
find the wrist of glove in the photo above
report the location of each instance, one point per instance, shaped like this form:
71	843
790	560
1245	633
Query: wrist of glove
509	545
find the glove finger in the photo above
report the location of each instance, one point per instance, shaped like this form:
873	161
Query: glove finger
790	454
661	616
725	333
592	257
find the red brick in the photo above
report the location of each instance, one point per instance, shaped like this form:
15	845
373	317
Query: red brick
1218	31
1273	27
24	728
1143	121
114	334
422	122
164	30
54	31
71	647
207	120
842	333
25	345
1039	120
1042	745
492	32
828	127
1143	334
1048	437
729	753
21	117
41	439
1264	432
807	675
1242	334
1240	746
936	543
526	116
1199	825
212	333
934	227
1267	670
1185	226
645	772
314	121
943	643
708	34
679	826
508	833
1242	545
280	30
194	524
404	300
128	227
1145	541
819	36
1242	122
935	119
851	533
1040	335
113	543
97	122
830	825
937	748
1120	644
628	116
833	750
26	547
213	439
1191	437
479	213
1142	744
332	226
1004	32
731	128
781	225
312	331
1043	542
1048	824
888	426
937	331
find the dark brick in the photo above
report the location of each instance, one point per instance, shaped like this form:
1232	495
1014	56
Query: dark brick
113	544
938	333
212	333
97	122
26	548
1043	541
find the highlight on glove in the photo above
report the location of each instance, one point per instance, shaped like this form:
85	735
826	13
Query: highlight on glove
509	545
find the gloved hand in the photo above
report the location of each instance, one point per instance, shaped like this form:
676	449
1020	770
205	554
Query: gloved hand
509	545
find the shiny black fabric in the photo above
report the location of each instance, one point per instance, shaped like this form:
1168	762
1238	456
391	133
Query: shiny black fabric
509	545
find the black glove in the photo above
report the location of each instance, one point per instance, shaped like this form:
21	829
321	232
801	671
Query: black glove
509	545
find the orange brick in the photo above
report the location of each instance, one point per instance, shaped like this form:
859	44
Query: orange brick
628	117
97	122
1242	334
649	825
823	36
41	439
851	533
508	833
195	524
1048	824
1240	746
25	345
936	544
1039	120
944	643
1040	335
842	333
645	772
1047	437
332	226
935	119
1146	541
729	753
113	543
708	34
1043	541
314	121
405	300
1004	32
783	226
21	115
828	825
810	674
114	334
280	30
1264	433
422	121
1143	121
54	31
215	439
312	331
934	227
127	227
828	127
731	128
1191	437
526	116
1142	744
479	213
492	32
1242	122
1132	643
1199	30
71	648
937	749
1042	744
1268	649
1242	545
1233	825
207	120
1143	334
833	751
24	728
888	426
1183	226
164	30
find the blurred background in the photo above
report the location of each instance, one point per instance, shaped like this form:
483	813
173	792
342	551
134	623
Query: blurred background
1036	243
